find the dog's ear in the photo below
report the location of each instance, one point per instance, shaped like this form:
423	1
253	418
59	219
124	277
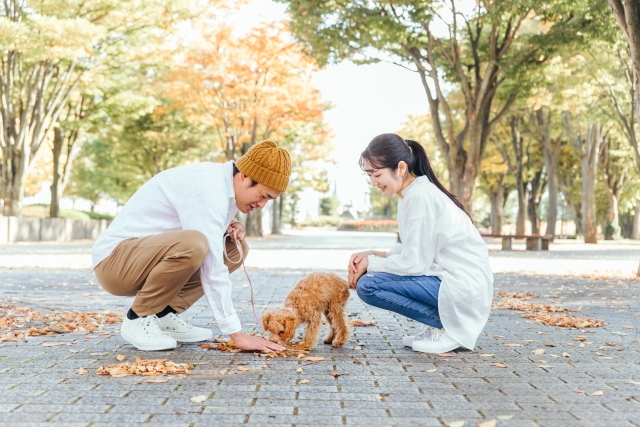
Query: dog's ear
265	318
289	327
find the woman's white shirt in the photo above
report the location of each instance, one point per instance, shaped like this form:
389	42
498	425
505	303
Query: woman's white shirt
439	239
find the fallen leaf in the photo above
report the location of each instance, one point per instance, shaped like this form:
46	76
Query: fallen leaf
313	359
98	354
445	354
456	424
604	358
299	370
264	366
357	347
597	393
634	382
499	365
120	357
486	355
53	344
304	382
243	369
73	351
360	322
491	423
513	345
164	380
550	344
577	390
337	374
580	339
565	354
357	362
82	371
199	399
504	417
538	351
431	370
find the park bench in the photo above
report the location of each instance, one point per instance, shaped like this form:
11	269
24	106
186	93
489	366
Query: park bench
535	242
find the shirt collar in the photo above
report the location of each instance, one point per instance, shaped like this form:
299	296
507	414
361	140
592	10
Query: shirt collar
228	178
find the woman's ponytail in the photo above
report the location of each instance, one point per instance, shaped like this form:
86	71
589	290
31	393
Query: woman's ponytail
421	166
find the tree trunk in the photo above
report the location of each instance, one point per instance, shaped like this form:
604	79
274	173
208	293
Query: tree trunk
254	223
550	160
14	179
275	221
496	196
56	185
533	203
612	225
635	234
589	166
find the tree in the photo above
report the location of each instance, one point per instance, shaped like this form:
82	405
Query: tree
586	145
477	53
615	172
247	88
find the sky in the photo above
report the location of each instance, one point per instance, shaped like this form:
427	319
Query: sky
368	100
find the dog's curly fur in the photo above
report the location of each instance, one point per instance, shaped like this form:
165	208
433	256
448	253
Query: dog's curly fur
314	295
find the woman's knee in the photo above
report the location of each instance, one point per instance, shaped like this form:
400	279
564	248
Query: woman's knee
365	287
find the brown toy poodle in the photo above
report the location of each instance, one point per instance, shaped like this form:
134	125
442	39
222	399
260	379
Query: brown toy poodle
316	294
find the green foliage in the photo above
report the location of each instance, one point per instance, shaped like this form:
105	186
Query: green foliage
329	206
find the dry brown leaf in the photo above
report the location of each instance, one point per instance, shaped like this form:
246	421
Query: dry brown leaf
565	354
357	347
120	357
431	370
597	393
550	344
580	339
304	382
487	355
82	371
566	321
313	359
199	399
360	322
499	365
577	390
299	370
151	367
337	374
243	369
456	424
164	380
513	345
523	295
445	354
538	351
491	423
357	362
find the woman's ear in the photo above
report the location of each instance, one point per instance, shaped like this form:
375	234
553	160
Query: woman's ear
402	168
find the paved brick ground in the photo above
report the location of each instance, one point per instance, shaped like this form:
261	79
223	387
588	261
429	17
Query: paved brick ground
39	385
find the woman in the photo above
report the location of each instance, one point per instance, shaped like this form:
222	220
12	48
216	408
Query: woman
440	274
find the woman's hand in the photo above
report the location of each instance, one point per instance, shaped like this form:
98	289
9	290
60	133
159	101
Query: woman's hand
249	342
356	259
361	268
240	233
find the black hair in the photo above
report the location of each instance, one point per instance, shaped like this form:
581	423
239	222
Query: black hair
389	149
236	170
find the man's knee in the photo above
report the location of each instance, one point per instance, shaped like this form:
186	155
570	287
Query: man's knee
198	244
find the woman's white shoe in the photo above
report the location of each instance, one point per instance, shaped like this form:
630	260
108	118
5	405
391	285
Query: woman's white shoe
181	331
439	342
145	334
424	334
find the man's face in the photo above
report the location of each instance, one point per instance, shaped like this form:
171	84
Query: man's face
249	198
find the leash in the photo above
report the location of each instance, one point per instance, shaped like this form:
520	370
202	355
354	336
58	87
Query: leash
241	260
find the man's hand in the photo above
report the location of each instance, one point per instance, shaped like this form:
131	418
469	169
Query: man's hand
361	268
249	342
240	233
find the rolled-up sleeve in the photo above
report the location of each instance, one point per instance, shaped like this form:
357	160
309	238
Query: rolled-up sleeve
204	208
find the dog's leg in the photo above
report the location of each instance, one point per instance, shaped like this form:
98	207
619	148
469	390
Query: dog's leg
332	332
313	330
339	323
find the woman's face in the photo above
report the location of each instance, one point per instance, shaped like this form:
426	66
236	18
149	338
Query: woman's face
387	180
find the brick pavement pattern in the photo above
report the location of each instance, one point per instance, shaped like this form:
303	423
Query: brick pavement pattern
392	386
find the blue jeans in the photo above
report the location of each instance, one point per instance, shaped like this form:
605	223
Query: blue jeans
415	297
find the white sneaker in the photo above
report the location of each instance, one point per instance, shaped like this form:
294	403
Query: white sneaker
424	333
181	331
439	342
145	334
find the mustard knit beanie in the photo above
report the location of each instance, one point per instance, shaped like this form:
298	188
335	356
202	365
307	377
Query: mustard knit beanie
267	164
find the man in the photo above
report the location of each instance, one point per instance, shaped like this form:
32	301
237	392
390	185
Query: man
166	246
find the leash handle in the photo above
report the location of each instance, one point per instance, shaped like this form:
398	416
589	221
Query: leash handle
241	260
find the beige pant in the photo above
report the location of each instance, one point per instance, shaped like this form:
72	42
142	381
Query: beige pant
160	270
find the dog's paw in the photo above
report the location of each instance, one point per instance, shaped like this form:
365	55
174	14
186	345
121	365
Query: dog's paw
337	343
328	341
